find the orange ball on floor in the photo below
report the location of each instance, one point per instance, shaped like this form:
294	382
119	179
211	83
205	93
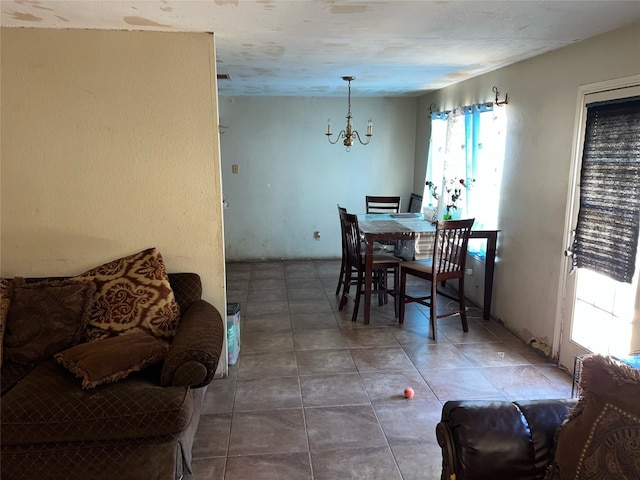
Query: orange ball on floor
408	393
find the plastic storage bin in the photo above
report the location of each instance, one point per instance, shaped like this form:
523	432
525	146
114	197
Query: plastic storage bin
233	332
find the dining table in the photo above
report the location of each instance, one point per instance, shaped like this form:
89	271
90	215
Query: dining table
380	228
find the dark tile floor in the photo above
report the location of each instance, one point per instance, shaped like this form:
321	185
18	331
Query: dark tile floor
315	396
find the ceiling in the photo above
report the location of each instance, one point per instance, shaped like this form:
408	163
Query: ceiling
304	47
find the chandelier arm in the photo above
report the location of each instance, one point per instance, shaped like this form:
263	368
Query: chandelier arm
340	135
356	134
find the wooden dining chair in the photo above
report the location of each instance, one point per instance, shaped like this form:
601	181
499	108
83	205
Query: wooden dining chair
354	274
343	261
381	204
384	204
446	263
415	203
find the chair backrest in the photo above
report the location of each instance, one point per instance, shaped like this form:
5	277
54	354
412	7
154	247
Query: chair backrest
342	210
382	204
450	248
415	203
351	233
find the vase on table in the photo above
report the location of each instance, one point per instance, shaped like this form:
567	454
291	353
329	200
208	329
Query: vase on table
430	213
452	214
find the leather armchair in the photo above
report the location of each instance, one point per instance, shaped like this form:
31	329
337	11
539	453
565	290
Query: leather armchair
499	440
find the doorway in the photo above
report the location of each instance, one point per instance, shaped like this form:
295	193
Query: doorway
597	314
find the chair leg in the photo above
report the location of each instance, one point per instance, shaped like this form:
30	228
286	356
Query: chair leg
343	300
403	282
346	283
383	281
396	291
386	286
341	276
433	310
463	307
356	303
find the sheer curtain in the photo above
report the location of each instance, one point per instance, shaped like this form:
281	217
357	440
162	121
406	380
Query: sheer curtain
468	143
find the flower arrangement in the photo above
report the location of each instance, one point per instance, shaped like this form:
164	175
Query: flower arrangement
453	189
433	189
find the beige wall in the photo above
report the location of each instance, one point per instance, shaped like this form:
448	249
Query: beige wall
110	146
543	96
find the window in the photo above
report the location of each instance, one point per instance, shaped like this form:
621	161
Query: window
468	144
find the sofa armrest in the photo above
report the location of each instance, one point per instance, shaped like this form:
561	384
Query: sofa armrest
194	354
449	460
499	440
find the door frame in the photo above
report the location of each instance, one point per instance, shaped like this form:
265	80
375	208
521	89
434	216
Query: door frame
564	318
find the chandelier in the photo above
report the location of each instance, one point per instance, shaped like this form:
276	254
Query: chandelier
348	134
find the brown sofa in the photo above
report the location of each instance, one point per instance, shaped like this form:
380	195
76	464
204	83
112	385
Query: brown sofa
140	427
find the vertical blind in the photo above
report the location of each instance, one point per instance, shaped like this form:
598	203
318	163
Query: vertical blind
606	238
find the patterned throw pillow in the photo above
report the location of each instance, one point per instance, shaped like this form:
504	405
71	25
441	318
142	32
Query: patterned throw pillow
601	437
112	359
133	294
45	317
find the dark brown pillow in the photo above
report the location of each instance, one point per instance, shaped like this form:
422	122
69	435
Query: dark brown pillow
133	294
6	293
45	317
4	311
601	437
110	359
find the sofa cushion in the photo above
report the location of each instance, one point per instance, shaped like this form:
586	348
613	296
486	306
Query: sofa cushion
111	359
45	317
12	373
601	438
133	294
48	406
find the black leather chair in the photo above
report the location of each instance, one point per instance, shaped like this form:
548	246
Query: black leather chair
499	440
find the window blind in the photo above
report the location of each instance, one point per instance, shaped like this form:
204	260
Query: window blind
606	238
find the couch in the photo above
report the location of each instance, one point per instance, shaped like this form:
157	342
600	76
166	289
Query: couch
138	427
594	437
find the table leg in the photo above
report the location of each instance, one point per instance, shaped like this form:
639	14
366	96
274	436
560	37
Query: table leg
368	275
492	240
